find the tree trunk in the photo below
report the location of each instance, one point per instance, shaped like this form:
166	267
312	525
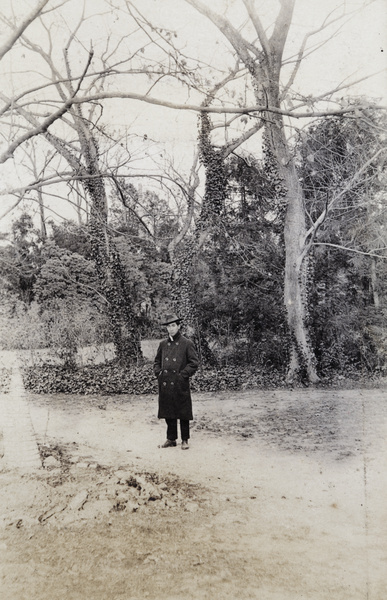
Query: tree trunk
374	283
264	62
112	278
302	358
43	229
183	252
183	260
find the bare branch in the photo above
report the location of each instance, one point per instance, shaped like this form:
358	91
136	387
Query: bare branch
218	109
240	45
258	26
339	88
281	29
231	146
371	253
11	208
123	200
19	31
302	54
43	127
311	233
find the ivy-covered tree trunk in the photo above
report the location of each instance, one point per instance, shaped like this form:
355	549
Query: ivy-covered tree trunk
184	256
183	253
114	285
183	298
112	278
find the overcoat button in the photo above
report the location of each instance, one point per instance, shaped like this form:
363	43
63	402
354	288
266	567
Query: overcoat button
165	371
165	383
167	358
172	383
174	359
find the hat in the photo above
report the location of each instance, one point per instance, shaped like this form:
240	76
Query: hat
171	318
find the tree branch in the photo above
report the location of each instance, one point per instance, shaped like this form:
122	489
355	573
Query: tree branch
258	26
19	31
231	146
311	233
240	45
372	254
123	200
42	128
281	29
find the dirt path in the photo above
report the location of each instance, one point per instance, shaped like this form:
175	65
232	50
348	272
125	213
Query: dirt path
280	497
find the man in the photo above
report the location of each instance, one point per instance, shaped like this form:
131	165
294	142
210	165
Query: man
176	361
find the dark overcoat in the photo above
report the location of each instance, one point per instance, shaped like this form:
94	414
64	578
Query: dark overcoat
176	361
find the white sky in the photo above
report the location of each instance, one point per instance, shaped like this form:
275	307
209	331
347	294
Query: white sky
357	50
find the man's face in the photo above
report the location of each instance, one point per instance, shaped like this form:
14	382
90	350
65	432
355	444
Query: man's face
172	329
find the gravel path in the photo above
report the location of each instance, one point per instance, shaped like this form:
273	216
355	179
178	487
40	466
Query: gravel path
20	450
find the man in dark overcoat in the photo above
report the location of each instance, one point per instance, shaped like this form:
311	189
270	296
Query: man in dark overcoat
176	361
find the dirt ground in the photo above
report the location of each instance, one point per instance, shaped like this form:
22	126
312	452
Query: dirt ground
281	496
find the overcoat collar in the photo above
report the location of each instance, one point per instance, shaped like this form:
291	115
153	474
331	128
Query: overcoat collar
175	337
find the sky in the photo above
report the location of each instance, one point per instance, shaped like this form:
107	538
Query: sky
357	49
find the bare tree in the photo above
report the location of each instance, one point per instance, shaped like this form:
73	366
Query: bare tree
82	155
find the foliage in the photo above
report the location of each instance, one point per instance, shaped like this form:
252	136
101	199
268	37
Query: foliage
332	153
239	277
349	331
64	275
348	289
21	327
148	277
111	379
68	328
72	237
20	259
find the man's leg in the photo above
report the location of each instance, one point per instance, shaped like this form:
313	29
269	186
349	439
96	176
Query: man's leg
171	434
171	429
184	430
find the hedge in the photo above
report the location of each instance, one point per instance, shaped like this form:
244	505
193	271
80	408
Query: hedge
112	379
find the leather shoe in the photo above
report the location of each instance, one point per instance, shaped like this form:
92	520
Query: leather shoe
184	445
168	444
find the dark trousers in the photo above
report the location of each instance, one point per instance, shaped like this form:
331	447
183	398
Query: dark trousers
172	429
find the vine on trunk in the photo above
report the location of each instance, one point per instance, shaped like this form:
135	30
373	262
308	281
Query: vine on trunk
213	161
112	280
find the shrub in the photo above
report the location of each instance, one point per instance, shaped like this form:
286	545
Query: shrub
70	326
20	326
112	379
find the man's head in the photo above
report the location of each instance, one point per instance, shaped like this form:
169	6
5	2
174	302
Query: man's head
172	323
173	328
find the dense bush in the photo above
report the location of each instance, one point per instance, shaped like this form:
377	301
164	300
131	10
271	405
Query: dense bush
93	379
111	379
